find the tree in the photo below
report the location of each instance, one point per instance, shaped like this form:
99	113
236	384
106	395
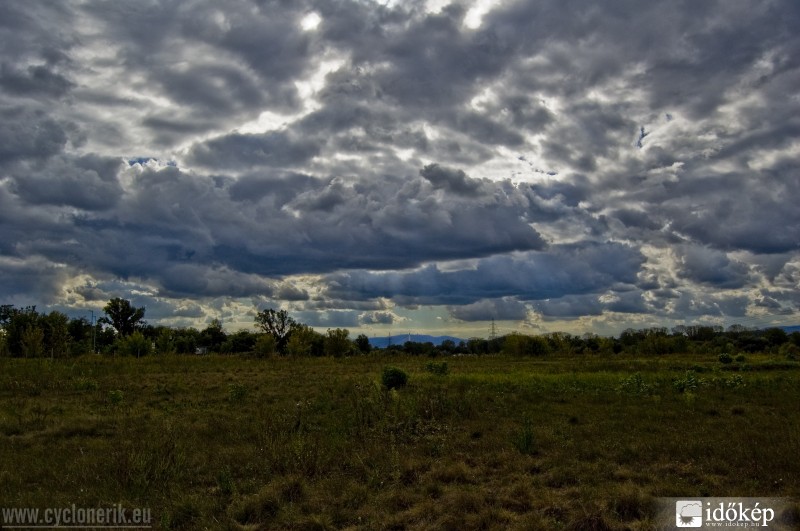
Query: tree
304	341
134	344
122	316
21	327
55	326
213	336
363	345
278	324
337	344
32	342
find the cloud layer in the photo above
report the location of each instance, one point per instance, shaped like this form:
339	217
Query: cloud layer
420	164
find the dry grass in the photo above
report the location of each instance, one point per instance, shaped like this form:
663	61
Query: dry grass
498	443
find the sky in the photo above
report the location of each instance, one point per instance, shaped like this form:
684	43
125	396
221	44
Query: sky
404	166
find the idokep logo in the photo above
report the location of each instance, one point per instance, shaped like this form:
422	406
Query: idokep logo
689	513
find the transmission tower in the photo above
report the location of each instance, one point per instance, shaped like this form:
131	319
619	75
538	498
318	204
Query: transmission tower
493	331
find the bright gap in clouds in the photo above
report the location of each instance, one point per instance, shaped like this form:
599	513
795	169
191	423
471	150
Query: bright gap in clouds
474	17
310	21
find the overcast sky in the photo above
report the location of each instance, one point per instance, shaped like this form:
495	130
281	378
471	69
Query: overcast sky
421	166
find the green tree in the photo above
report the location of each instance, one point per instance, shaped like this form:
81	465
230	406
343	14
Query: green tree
122	316
362	344
239	342
18	324
165	342
213	336
337	343
265	346
304	341
55	327
278	324
134	344
32	341
80	336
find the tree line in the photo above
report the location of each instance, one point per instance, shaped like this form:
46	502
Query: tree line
122	330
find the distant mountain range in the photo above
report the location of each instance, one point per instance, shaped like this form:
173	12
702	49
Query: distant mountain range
399	339
383	342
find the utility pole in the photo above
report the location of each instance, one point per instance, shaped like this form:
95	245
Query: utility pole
492	331
94	350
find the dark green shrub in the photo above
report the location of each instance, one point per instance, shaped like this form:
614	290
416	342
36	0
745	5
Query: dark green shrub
725	358
439	369
634	385
740	358
394	378
237	392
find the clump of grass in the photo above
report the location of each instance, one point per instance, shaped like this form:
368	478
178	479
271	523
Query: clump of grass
523	439
725	358
237	392
116	396
688	383
394	378
634	385
439	369
258	509
85	384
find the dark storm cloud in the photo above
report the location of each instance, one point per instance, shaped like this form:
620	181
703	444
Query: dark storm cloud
488	309
655	146
560	271
34	81
707	266
452	180
205	236
29	135
88	182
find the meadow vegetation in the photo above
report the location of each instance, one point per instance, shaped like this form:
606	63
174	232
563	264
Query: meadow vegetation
560	441
289	428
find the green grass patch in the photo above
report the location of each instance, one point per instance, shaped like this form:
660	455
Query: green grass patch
500	442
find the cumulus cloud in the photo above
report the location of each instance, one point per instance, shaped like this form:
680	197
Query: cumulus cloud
553	160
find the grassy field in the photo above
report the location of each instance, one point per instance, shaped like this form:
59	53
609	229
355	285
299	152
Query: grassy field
498	443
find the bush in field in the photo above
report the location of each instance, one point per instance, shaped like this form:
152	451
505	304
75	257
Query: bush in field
439	369
134	345
634	385
116	396
521	345
725	358
265	346
688	383
394	378
237	392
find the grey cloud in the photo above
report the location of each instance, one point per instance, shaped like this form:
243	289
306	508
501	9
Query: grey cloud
243	151
29	135
691	305
329	318
540	275
34	81
88	182
339	191
450	179
371	318
569	307
30	281
488	309
707	266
